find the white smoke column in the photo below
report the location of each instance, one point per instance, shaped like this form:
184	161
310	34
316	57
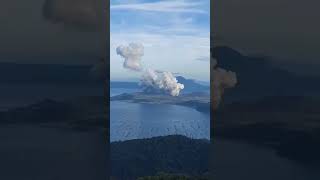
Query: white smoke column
222	79
132	55
151	80
170	84
161	82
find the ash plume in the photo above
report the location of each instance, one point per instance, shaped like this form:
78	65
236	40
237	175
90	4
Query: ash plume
222	80
151	80
160	82
132	55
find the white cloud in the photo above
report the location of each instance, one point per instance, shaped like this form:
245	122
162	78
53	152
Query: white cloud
177	6
132	55
176	29
172	39
169	53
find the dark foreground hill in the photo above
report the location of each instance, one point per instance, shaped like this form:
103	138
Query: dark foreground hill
288	124
171	154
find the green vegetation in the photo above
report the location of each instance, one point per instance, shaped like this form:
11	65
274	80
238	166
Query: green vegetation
145	157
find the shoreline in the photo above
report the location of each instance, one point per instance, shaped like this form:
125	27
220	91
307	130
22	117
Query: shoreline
199	103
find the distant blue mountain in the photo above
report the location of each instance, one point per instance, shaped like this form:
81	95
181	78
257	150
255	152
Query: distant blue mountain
189	84
124	84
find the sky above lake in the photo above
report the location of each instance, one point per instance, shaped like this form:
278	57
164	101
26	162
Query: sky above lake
175	35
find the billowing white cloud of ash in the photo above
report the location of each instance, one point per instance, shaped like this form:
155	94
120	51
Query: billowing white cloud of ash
161	81
132	55
222	80
151	80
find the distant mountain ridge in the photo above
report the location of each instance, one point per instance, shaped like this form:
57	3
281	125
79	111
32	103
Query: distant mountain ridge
124	84
257	77
47	73
189	84
61	73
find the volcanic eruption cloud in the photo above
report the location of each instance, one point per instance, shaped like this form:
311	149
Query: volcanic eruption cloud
222	79
161	81
132	55
151	80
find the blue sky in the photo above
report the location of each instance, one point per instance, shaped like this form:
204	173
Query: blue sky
175	34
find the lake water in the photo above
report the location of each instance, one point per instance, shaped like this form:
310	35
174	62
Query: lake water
137	121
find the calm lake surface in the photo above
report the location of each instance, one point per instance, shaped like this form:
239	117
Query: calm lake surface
137	121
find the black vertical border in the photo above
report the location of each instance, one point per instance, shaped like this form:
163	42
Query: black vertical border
212	119
105	44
